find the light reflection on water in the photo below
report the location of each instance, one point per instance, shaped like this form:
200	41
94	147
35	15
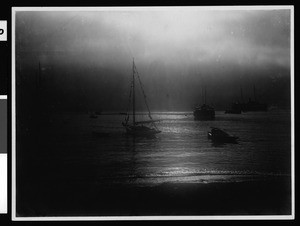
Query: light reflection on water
181	153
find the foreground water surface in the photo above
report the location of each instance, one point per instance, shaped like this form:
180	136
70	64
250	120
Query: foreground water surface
77	147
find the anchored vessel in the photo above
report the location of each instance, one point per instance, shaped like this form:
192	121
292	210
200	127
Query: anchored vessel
254	106
204	112
251	105
138	128
220	136
236	108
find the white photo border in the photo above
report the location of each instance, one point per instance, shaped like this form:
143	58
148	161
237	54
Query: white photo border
138	218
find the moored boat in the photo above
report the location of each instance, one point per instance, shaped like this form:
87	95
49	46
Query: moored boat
218	135
136	128
204	112
236	108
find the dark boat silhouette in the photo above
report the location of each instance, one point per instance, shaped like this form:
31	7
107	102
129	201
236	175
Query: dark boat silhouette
254	105
236	108
251	105
219	136
138	128
204	112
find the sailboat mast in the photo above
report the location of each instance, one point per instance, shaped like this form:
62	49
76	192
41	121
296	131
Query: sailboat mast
254	92
205	94
133	95
242	97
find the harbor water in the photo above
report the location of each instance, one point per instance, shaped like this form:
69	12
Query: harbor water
77	147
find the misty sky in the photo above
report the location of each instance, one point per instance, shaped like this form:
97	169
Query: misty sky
87	56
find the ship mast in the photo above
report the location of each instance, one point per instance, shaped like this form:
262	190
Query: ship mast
204	94
133	93
242	97
254	92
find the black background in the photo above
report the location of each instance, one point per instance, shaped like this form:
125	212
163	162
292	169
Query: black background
5	88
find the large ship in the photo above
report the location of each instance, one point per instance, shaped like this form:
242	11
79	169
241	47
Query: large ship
254	105
251	105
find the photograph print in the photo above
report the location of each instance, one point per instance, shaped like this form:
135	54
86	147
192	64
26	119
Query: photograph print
152	113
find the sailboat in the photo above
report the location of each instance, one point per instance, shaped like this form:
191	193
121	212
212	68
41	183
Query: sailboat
204	112
236	108
138	128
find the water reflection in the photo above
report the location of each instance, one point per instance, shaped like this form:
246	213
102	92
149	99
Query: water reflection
139	155
180	152
222	143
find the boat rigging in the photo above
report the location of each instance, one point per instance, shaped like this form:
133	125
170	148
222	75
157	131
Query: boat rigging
138	128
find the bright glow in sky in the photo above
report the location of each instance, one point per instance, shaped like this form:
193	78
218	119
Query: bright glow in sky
177	50
255	37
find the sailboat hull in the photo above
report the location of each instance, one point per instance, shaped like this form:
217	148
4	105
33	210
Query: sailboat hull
141	130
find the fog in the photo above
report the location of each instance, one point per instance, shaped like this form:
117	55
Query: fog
85	57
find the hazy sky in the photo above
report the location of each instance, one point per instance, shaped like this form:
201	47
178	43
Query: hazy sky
177	52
